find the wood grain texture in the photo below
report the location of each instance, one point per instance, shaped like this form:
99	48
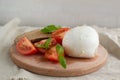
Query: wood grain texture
75	66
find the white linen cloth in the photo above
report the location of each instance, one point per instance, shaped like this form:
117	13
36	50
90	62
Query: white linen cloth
9	71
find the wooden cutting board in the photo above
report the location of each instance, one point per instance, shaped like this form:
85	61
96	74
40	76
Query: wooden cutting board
38	64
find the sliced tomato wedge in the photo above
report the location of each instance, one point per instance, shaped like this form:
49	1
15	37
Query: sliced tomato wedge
42	50
59	34
24	46
52	54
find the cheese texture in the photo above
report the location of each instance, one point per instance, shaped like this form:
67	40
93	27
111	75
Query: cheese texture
81	41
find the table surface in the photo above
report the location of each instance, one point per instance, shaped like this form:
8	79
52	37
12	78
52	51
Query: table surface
110	71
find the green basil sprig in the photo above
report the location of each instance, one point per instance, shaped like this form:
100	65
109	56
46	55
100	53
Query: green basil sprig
50	28
45	45
60	51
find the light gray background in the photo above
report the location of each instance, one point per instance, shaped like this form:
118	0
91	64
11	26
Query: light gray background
62	12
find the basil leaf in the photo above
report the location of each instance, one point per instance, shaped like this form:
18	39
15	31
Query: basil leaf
45	45
39	45
60	51
50	28
62	61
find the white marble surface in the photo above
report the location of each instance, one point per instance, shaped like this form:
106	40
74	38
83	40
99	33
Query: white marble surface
62	12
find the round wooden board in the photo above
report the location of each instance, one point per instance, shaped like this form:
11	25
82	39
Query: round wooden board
75	66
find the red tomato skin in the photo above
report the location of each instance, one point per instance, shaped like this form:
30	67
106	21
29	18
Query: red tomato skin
59	34
42	50
52	54
25	47
58	39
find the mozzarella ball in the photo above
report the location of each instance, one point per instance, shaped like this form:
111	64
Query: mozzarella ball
81	41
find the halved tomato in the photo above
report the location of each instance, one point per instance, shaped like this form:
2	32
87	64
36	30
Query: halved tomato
42	50
59	34
52	54
24	46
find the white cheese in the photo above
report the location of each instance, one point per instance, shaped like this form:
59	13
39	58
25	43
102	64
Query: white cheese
81	42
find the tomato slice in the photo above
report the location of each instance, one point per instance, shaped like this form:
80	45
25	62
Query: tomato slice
42	50
59	34
52	54
24	46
